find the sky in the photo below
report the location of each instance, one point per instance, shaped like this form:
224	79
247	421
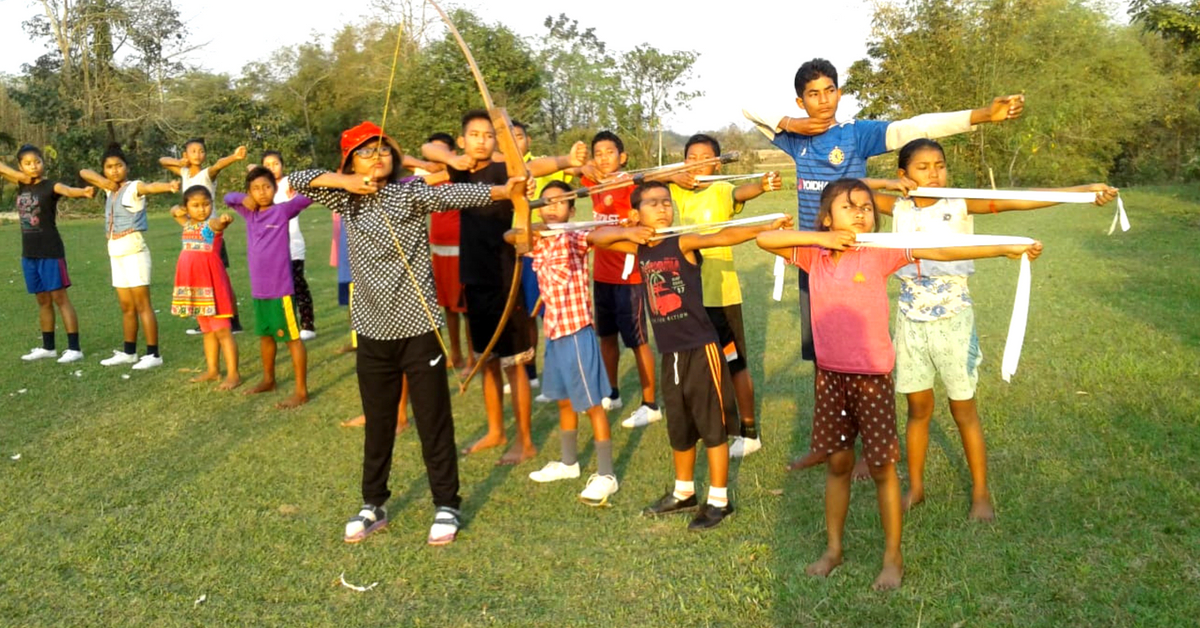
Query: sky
749	49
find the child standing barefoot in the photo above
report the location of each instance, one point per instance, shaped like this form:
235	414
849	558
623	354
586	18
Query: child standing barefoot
202	286
855	393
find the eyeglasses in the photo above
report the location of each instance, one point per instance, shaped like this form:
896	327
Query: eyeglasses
367	152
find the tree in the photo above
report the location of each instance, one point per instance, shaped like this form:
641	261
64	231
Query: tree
653	82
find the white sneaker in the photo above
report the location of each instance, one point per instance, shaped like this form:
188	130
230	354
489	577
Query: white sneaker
507	389
195	331
542	398
148	361
118	358
307	334
69	356
535	383
38	353
599	488
742	446
555	471
611	403
643	416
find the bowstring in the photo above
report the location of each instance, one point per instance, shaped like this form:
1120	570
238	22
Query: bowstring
395	240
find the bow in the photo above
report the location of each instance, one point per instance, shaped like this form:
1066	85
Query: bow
515	164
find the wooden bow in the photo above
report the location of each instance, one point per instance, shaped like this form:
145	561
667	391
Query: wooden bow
514	162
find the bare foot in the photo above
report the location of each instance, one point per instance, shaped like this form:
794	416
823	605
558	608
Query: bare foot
358	421
824	565
207	377
262	387
981	510
517	454
889	578
487	442
807	461
295	401
861	472
912	498
345	349
230	383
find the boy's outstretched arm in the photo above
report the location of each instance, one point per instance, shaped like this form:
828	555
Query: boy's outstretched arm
1104	194
412	163
171	163
622	239
1002	108
438	153
729	236
955	253
935	125
226	161
769	182
95	179
782	241
543	166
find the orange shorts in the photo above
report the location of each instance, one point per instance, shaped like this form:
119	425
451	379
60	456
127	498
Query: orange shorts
449	288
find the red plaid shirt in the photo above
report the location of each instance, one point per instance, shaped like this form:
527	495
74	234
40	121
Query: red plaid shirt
562	273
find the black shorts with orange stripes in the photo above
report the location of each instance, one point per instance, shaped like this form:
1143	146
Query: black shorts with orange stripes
698	398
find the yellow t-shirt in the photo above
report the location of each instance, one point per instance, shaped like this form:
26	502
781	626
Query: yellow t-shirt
712	204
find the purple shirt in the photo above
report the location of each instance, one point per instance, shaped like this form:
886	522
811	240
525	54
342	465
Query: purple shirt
267	250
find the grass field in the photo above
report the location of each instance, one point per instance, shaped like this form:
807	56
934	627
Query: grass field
132	498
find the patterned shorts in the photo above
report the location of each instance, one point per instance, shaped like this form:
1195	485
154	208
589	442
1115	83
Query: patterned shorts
947	347
849	405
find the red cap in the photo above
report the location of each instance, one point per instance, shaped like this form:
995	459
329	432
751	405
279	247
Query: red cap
357	136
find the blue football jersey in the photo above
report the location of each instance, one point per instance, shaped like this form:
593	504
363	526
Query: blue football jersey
838	153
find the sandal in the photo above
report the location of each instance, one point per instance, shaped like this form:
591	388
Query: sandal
445	526
369	519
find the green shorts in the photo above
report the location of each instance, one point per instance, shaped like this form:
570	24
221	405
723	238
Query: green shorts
947	347
276	318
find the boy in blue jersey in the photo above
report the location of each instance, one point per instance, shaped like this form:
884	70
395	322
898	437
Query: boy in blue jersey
825	150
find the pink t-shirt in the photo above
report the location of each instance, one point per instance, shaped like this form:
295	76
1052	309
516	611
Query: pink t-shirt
850	307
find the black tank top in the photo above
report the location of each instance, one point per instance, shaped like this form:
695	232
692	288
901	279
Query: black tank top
674	297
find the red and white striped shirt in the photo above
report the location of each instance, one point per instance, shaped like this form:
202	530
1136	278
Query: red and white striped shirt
562	272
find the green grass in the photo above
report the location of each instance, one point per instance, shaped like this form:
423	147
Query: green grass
132	498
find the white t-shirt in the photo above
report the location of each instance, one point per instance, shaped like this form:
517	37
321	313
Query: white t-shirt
284	193
200	178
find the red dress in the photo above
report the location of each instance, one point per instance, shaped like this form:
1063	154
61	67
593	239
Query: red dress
201	284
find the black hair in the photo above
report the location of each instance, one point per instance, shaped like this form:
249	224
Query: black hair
701	138
835	190
195	140
196	190
518	123
635	199
813	70
259	172
114	150
608	136
475	114
25	149
444	138
273	153
911	148
559	185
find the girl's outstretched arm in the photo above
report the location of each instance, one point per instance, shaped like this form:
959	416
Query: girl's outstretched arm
1104	194
782	241
179	214
226	161
220	223
729	236
955	253
622	239
16	176
70	192
94	178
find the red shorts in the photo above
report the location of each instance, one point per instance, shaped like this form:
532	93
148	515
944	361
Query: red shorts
213	323
449	288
